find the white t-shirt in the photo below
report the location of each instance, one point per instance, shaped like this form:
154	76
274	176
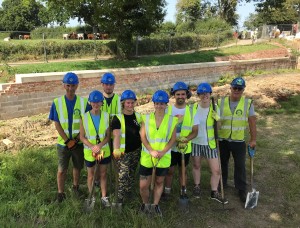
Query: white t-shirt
201	117
178	112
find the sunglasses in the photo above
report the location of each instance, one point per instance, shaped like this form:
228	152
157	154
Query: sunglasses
237	88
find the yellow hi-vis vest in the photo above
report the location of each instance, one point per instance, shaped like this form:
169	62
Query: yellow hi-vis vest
209	126
62	112
114	107
187	124
234	124
158	139
123	128
91	134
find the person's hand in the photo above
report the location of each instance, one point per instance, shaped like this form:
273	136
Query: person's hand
117	154
252	143
71	144
215	115
251	151
96	148
182	139
154	154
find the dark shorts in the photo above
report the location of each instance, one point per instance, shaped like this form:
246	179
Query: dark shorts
144	171
64	155
104	161
176	158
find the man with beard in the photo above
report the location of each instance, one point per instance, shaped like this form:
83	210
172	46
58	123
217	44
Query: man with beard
186	130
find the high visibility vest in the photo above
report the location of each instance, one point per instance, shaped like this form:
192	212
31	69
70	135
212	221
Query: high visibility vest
234	124
62	111
209	127
123	128
114	107
91	134
187	124
158	139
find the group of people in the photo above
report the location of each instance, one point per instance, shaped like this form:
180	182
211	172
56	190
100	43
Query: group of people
105	127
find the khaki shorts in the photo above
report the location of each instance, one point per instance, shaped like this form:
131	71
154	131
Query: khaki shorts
64	155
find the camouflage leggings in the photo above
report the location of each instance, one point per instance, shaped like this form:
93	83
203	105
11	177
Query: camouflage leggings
127	166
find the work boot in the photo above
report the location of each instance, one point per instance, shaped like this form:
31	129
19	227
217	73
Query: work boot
196	191
105	202
145	208
75	190
155	209
215	195
61	196
242	195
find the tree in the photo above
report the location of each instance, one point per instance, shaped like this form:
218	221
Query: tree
253	21
18	15
123	19
188	11
227	11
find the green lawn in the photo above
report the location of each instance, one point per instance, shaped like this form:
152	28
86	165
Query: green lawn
196	57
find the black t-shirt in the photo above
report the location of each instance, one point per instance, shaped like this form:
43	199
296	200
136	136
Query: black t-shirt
132	131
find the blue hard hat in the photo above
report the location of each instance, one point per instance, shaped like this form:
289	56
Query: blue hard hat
238	82
128	94
108	78
160	96
179	86
204	88
96	96
70	78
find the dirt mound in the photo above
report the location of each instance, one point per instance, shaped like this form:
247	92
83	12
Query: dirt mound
27	132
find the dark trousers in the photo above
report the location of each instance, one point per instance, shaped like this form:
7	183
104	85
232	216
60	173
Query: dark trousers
238	150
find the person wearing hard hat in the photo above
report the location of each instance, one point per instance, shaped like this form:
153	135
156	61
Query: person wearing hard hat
95	135
126	143
65	112
158	134
236	112
204	145
186	130
111	103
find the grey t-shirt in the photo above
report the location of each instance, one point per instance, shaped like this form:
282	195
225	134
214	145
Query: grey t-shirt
233	105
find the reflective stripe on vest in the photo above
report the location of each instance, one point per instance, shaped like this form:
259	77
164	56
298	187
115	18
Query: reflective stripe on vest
62	112
158	139
210	128
91	134
123	128
234	125
114	107
187	124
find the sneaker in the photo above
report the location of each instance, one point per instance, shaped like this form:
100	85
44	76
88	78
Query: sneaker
145	208
61	196
196	191
242	195
105	202
155	209
215	195
76	190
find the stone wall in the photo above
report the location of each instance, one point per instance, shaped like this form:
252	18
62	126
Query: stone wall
33	93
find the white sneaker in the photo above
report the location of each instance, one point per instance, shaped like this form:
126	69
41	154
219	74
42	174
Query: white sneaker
105	202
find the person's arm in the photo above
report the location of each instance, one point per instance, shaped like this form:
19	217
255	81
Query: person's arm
252	128
169	145
117	138
106	139
193	134
60	131
82	136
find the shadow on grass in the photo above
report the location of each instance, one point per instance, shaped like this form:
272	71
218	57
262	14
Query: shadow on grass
290	106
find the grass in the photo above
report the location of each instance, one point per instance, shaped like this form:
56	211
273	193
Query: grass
28	188
146	61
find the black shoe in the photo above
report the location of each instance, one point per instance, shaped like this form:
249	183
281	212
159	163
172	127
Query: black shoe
97	184
145	208
61	197
155	209
216	196
242	195
196	191
165	196
76	190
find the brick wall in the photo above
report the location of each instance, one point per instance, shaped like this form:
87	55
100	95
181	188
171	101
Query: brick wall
34	93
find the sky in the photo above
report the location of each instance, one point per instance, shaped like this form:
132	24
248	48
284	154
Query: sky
244	9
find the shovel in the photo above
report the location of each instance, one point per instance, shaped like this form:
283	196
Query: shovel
153	179
90	201
183	200
252	197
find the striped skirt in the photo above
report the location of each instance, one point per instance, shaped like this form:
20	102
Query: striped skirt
204	151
